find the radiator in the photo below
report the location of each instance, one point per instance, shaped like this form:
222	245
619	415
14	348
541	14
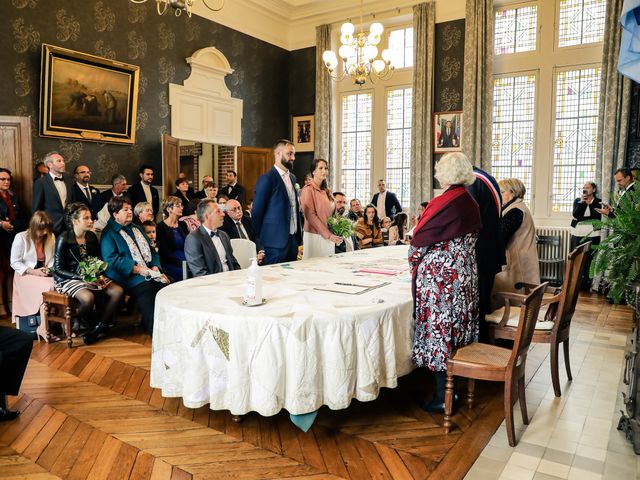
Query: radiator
550	271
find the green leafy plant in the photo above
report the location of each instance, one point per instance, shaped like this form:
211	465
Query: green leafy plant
91	268
618	256
340	226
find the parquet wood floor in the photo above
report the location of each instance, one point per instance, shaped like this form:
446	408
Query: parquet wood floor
89	412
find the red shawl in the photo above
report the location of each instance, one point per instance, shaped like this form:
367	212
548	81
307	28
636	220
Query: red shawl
452	214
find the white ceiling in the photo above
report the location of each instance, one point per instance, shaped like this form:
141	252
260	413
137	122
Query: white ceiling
291	24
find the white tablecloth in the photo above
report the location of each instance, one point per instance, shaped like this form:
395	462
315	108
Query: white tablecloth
302	349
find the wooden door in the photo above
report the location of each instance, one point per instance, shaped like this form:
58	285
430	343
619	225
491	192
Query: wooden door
170	163
15	154
252	162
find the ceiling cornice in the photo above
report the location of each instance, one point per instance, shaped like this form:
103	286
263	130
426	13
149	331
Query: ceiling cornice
290	24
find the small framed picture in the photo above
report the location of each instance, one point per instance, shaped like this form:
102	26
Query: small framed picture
447	131
302	132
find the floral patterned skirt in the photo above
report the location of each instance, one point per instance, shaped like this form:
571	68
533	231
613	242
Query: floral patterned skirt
446	300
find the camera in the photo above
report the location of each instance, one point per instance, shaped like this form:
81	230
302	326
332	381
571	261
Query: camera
585	192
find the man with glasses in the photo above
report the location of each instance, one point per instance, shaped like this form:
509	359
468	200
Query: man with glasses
84	192
238	225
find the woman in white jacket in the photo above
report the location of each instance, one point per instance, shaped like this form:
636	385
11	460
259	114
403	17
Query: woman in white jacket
32	255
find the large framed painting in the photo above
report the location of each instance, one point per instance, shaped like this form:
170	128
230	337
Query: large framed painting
447	131
85	97
302	132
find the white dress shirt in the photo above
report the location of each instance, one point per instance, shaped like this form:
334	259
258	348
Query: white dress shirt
61	187
286	178
382	210
217	244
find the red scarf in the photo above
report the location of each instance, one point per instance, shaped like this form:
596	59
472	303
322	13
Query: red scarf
6	199
452	214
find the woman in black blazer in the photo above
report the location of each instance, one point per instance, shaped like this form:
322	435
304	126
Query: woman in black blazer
73	246
170	236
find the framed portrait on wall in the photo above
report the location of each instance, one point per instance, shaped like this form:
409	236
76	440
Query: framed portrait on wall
302	132
447	131
85	97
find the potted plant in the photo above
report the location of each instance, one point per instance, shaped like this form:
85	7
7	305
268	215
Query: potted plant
617	257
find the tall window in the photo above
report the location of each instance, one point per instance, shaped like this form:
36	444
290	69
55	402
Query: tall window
401	45
576	125
513	128
356	145
546	96
399	142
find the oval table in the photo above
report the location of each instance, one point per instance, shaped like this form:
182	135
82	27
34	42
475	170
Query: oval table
303	348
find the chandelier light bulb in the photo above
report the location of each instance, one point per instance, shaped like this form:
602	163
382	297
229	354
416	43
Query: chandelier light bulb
378	65
346	39
344	51
387	56
373	39
370	53
347	29
376	28
329	57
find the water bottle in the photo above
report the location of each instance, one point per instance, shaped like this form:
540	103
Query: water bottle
254	284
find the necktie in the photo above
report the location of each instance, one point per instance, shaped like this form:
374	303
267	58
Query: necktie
87	192
59	179
213	234
240	230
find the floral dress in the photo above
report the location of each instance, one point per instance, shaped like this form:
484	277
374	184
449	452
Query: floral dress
446	300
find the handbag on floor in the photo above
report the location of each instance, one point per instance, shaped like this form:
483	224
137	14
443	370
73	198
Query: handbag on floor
28	323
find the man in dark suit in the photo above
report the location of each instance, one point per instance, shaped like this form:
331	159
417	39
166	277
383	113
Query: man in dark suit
490	252
233	189
143	191
85	193
118	188
238	225
205	180
385	201
208	249
350	244
276	211
624	180
448	137
15	349
54	191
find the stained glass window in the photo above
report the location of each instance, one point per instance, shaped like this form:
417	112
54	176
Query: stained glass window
513	128
515	30
401	46
356	146
399	143
576	125
581	22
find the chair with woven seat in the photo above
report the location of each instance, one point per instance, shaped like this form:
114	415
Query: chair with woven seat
554	321
481	361
59	308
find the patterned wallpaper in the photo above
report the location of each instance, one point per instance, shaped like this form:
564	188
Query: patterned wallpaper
449	66
633	139
135	34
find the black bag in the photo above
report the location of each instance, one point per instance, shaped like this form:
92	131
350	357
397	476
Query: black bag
28	324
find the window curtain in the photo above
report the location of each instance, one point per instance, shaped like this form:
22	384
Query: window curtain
424	24
615	101
322	132
477	98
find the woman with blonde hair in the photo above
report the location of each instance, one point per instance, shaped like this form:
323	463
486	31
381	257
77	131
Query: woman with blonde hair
32	256
519	237
442	257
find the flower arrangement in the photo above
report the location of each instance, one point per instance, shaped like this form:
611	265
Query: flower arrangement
297	186
340	226
91	268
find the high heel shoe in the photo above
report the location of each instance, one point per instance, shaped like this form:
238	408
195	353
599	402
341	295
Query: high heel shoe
46	336
93	335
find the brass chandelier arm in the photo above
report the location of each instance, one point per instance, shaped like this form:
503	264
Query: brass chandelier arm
214	9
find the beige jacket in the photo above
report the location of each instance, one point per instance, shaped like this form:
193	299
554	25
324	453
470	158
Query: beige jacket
522	255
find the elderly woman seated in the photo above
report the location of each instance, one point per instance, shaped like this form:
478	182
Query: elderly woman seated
32	255
142	212
133	263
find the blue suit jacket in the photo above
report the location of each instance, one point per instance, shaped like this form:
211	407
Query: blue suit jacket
271	212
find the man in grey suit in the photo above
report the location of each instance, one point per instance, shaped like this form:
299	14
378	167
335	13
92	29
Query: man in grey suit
208	249
54	191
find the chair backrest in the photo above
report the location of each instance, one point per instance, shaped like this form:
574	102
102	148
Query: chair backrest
244	250
528	317
571	286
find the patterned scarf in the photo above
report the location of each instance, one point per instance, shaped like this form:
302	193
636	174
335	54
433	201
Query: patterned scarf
6	199
140	250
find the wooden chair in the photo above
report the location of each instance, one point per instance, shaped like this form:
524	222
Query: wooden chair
482	361
554	321
59	308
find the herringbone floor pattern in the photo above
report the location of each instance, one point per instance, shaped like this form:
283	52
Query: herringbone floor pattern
89	412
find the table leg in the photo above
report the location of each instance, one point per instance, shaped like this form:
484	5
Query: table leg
237	418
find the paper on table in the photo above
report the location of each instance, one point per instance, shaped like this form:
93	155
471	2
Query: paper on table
381	271
349	288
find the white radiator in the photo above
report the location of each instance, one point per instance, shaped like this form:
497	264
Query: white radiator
552	271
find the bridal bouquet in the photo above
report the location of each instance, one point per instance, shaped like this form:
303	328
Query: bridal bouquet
91	268
340	226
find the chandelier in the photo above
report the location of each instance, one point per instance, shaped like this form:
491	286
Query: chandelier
359	54
180	5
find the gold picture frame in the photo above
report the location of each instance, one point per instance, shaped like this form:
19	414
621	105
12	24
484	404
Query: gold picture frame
302	132
443	143
85	97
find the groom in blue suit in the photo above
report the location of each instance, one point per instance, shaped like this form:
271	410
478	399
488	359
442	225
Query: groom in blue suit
276	211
